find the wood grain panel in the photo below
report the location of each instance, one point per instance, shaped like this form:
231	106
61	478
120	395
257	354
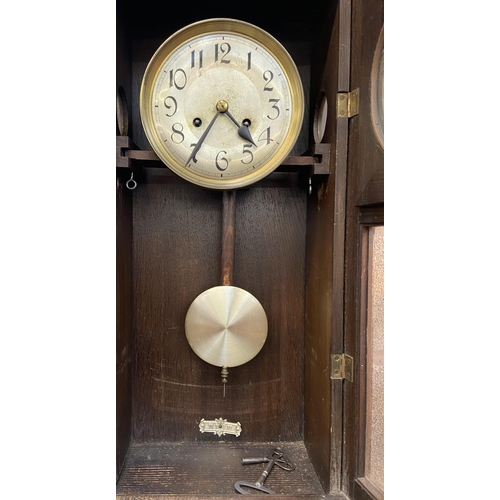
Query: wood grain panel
204	470
367	155
175	259
324	288
339	254
269	263
317	418
124	346
177	245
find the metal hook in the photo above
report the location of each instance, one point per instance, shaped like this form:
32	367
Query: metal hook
131	184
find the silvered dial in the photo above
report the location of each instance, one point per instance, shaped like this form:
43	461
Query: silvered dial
220	108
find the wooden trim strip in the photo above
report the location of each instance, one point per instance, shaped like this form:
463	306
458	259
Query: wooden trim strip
364	489
338	301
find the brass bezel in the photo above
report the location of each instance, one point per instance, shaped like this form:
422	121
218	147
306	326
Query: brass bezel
222	26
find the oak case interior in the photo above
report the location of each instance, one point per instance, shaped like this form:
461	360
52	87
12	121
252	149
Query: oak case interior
169	251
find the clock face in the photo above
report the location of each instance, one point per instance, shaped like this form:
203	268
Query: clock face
222	103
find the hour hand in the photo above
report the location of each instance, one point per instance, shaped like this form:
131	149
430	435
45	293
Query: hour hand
243	131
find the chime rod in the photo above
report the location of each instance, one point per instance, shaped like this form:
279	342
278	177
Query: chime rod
228	234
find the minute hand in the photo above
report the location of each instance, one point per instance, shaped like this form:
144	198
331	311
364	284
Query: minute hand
202	138
243	131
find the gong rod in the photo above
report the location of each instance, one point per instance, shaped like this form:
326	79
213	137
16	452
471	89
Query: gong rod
228	234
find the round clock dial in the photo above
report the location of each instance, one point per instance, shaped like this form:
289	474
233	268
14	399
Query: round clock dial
222	103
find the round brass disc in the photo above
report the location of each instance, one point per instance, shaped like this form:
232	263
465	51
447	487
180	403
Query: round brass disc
226	326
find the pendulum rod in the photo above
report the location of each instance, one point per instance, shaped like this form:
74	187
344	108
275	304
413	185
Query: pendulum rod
227	257
228	230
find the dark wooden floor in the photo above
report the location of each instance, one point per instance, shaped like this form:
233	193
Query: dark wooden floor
209	471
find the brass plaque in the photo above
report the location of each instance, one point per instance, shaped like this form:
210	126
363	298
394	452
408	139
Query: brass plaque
220	427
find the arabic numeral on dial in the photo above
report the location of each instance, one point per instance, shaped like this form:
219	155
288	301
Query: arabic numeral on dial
265	136
177	136
194	144
221	159
275	107
246	150
268	77
193	58
178	79
225	48
171	105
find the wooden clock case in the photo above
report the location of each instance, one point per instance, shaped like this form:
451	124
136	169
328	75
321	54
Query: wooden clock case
297	238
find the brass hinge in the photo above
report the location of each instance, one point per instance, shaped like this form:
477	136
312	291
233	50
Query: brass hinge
347	104
342	367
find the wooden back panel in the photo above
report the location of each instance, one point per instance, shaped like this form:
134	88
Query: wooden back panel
176	256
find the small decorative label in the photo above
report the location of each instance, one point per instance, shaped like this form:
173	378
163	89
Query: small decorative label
220	426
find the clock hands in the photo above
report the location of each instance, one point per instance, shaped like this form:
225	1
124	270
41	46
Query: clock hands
243	131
